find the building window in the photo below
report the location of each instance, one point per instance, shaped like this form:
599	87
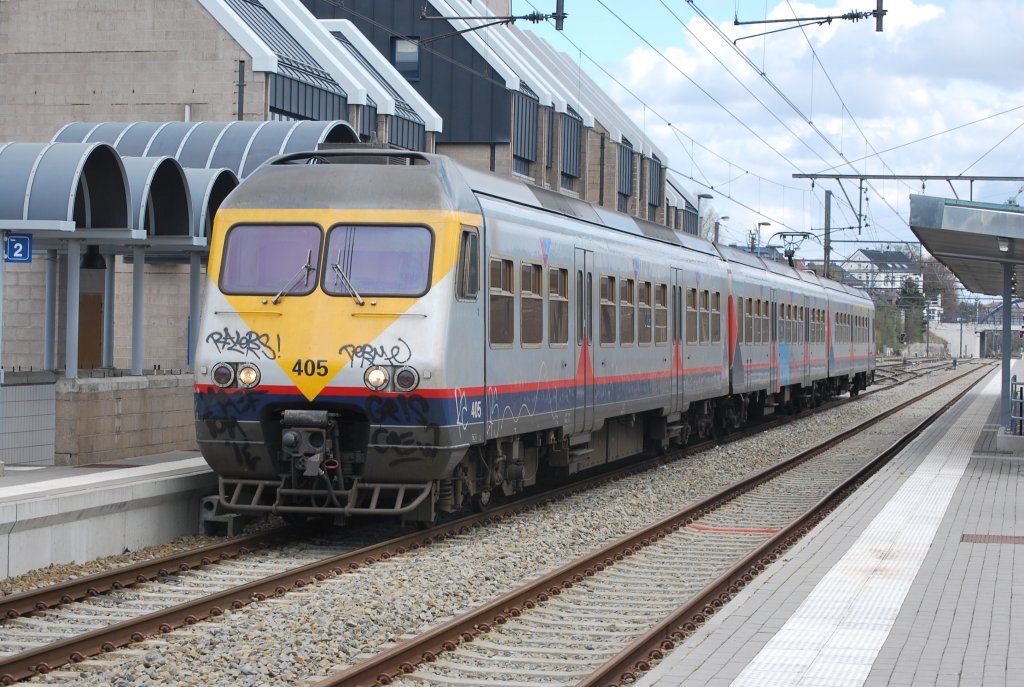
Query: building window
405	55
531	303
558	306
627	311
608	297
502	302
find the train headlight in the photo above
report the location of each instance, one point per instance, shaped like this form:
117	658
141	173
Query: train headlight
223	375
248	376
407	379
376	378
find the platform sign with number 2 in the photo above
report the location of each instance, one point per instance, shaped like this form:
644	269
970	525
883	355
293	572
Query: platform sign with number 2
18	248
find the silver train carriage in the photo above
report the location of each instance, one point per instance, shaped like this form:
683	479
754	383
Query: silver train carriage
393	333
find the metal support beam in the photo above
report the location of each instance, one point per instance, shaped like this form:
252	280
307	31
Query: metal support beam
50	312
1004	397
108	312
138	301
74	289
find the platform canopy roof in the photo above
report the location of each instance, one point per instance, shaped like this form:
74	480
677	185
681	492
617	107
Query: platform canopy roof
972	239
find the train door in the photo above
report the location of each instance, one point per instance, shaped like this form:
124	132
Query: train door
805	340
583	416
677	340
773	342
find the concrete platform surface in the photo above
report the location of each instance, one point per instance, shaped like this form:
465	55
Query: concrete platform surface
72	514
916	579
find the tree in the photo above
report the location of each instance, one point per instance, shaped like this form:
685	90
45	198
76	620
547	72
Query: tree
939	280
911	302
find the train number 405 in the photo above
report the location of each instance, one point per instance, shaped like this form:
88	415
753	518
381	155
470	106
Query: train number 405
310	368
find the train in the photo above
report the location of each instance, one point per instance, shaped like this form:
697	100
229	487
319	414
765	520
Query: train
392	333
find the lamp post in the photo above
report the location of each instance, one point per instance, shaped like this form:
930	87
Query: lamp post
717	223
708	196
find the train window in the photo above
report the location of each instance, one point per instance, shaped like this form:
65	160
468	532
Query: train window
748	322
644	324
502	302
531	305
627	311
271	259
579	307
766	332
378	260
716	317
468	276
757	323
558	306
691	316
704	309
739	321
660	314
608	297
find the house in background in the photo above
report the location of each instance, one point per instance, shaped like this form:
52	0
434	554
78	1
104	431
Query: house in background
884	269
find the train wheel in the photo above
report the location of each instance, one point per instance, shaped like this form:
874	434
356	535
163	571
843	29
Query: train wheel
481	501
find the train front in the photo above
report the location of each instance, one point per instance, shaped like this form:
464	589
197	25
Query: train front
320	361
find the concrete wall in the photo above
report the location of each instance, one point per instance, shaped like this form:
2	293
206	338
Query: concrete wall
105	419
112	60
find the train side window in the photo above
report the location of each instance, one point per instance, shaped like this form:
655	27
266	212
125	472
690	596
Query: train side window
716	317
502	302
531	305
766	331
691	316
579	307
677	313
749	321
660	314
558	306
608	320
739	320
756	318
704	309
468	275
627	311
644	324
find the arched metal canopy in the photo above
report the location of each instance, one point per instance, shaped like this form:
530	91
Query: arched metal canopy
239	146
161	203
84	183
208	188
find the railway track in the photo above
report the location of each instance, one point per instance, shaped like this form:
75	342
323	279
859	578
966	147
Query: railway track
105	622
606	617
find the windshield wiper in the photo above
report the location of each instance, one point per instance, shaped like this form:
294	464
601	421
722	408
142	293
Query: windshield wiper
348	282
308	267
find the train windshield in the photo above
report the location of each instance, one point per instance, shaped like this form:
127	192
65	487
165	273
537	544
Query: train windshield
278	259
378	260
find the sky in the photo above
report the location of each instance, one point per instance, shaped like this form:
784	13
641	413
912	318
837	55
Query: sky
937	92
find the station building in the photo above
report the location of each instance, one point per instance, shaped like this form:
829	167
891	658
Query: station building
211	85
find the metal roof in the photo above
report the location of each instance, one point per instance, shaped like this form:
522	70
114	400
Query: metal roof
972	239
237	146
361	51
293	59
83	183
596	99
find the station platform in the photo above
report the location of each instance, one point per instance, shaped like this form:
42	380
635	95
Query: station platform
916	579
52	514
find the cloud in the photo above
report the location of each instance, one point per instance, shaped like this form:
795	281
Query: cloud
936	66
